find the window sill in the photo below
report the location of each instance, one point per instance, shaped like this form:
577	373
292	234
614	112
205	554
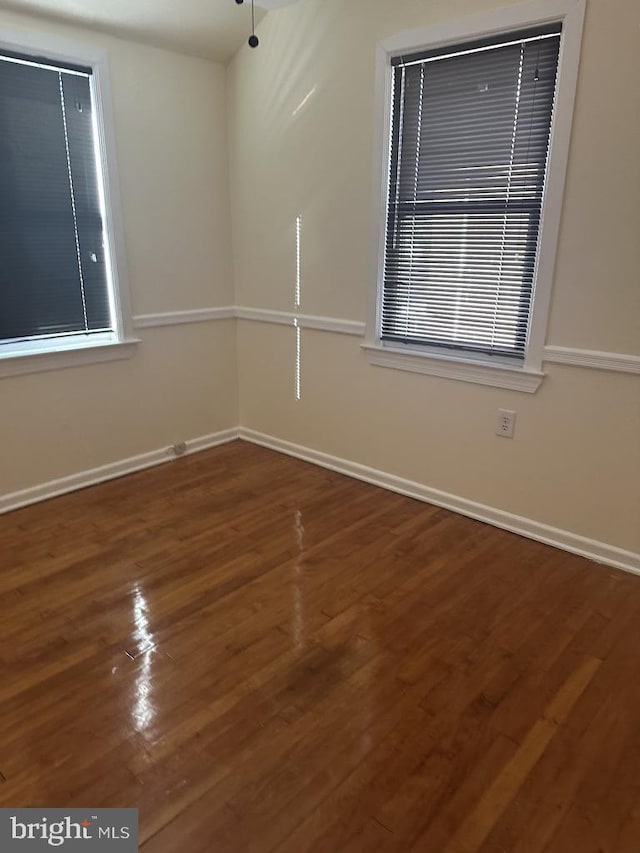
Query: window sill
450	367
36	361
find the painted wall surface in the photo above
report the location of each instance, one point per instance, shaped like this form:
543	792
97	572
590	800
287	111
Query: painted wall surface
302	142
171	138
301	134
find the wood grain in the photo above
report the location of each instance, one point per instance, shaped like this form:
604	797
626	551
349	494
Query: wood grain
262	655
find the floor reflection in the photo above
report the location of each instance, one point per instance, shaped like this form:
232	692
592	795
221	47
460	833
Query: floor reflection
298	592
143	710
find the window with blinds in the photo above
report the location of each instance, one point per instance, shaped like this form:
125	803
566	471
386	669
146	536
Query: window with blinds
469	144
54	280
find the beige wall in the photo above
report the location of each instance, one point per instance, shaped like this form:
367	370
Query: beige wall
301	125
301	131
171	137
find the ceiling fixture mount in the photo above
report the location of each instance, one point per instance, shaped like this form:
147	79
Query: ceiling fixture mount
254	41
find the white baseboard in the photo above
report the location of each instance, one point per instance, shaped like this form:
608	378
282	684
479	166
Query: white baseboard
53	488
600	552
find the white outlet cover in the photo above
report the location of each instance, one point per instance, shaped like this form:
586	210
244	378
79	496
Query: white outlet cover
505	423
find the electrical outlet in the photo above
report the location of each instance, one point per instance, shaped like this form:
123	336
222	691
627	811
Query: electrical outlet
506	423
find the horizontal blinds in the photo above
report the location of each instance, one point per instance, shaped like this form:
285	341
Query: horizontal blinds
53	277
470	138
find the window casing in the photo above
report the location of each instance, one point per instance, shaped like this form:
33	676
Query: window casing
63	297
477	118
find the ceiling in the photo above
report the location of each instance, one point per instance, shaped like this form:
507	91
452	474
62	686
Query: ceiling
213	29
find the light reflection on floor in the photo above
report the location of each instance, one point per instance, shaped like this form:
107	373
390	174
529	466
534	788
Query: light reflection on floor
143	710
299	632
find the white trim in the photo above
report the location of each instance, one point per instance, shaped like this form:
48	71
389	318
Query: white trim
501	376
601	552
37	362
520	16
559	141
595	359
53	488
113	225
450	367
380	196
331	324
304	321
258	315
177	318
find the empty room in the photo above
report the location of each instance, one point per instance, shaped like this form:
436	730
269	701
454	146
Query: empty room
320	426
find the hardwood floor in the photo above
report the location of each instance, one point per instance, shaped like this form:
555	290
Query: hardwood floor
264	656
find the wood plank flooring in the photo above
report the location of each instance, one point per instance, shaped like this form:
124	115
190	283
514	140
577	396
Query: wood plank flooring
266	656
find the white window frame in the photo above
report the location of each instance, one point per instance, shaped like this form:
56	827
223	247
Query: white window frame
480	369
62	351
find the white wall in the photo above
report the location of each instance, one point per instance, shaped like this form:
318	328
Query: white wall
171	137
302	132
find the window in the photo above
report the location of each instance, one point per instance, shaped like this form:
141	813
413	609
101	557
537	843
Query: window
467	181
58	272
469	149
